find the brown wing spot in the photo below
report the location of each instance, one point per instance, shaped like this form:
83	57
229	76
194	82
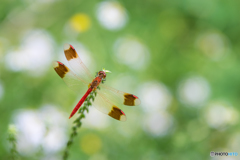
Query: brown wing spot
61	69
129	99
116	113
70	53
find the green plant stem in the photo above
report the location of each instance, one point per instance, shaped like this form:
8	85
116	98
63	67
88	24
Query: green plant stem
77	123
13	142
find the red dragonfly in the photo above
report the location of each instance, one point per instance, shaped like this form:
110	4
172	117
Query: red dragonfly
106	99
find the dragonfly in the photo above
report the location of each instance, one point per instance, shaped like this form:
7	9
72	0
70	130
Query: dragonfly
107	98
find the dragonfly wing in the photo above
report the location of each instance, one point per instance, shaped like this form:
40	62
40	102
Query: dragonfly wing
72	80
119	97
76	63
105	106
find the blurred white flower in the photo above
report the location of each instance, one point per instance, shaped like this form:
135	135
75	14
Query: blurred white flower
51	157
123	81
219	115
213	44
131	52
194	91
31	131
46	128
158	123
154	96
51	116
96	119
54	140
34	54
111	15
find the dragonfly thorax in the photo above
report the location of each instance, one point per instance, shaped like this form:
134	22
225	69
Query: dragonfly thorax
100	77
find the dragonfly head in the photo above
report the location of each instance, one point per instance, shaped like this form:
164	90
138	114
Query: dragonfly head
102	74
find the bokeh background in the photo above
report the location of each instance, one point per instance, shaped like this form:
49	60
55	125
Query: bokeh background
181	58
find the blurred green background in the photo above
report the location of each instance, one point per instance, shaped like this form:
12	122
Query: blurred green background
181	58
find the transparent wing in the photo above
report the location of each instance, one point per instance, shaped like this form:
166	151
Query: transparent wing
76	63
72	80
105	106
119	97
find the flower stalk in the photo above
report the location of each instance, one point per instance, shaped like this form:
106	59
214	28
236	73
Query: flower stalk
78	122
12	132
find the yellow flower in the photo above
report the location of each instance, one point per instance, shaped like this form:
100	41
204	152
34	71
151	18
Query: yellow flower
80	22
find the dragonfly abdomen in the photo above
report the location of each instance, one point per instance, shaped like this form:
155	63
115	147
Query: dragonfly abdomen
80	102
